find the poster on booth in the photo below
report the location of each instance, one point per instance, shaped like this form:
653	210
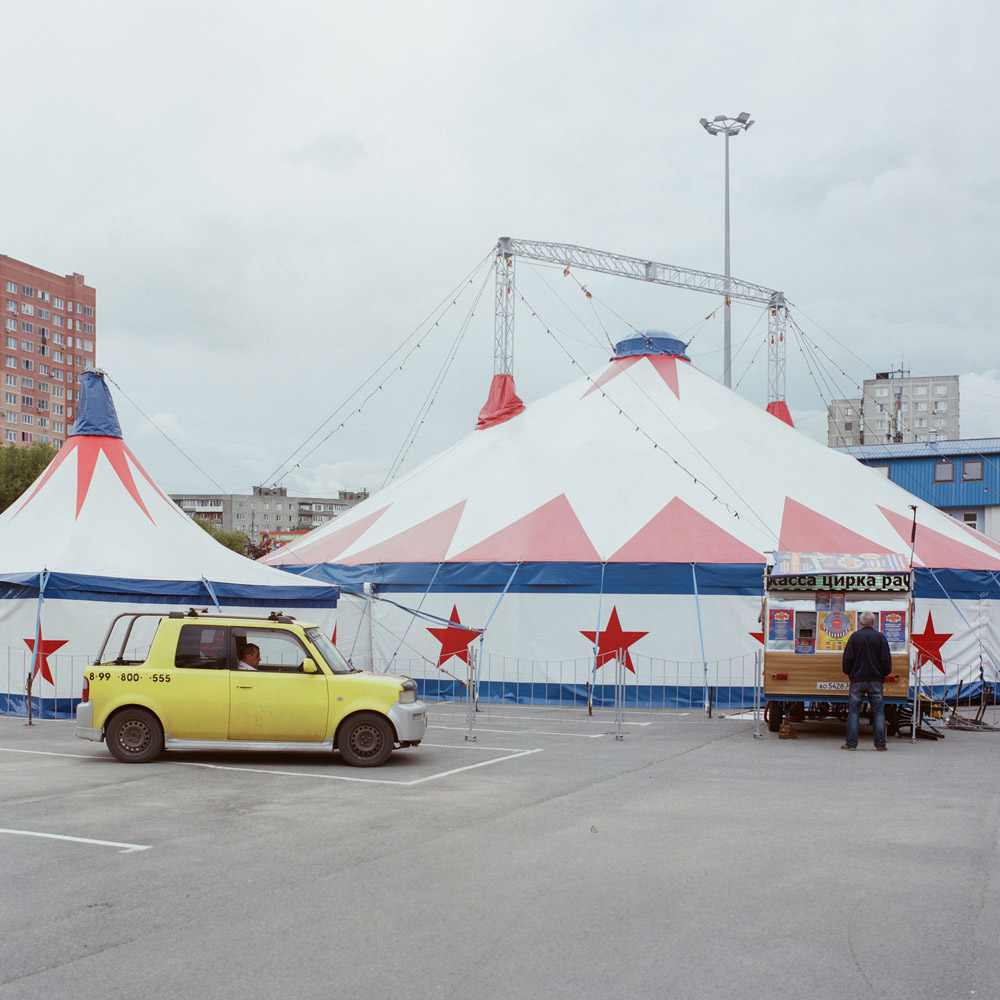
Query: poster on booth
894	629
835	628
830	601
780	628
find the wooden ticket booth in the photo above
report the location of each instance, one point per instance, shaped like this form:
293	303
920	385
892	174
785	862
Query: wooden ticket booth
811	605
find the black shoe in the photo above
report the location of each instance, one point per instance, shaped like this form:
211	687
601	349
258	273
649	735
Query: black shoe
846	747
881	748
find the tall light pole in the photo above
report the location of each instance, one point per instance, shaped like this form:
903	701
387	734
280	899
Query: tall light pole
728	127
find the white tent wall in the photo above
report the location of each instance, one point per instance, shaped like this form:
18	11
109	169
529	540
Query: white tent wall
536	640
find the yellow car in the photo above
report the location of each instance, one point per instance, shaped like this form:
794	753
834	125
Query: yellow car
213	681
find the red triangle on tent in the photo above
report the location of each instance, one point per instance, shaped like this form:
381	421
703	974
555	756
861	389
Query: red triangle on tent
679	534
980	537
938	550
803	530
427	541
665	364
551	533
327	548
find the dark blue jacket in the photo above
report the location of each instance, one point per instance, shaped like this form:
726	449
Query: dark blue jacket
867	656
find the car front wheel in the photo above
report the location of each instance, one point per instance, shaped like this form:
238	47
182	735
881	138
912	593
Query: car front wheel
365	740
135	736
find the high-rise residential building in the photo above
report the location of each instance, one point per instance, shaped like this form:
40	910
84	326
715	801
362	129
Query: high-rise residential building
49	338
896	408
267	510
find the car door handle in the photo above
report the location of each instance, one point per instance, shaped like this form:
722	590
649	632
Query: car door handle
245	687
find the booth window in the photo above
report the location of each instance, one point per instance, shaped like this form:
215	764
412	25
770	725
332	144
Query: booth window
944	472
972	472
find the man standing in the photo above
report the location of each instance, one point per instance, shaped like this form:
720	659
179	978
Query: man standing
867	662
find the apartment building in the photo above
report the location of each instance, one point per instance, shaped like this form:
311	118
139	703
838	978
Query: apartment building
266	510
895	408
49	338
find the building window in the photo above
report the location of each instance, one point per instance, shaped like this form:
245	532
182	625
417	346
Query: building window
940	406
972	471
12	286
940	390
920	390
882	470
944	472
848	439
27	364
881	390
920	422
920	407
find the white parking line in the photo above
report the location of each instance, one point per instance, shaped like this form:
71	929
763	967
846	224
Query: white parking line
126	848
509	754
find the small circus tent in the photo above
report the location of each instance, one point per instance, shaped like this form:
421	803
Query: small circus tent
633	509
93	537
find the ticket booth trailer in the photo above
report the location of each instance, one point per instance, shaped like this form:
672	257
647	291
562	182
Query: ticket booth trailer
811	607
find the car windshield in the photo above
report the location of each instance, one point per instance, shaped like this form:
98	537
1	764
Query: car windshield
333	656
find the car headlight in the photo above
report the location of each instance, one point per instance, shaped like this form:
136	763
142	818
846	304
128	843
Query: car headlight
408	692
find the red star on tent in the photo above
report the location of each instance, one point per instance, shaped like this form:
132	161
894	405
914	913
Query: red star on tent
454	641
759	636
929	644
45	646
613	638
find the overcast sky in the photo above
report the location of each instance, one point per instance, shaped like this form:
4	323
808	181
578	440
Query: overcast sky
270	198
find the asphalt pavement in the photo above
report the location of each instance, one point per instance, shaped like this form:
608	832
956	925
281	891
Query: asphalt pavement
547	860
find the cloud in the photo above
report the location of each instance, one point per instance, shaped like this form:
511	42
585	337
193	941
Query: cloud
333	151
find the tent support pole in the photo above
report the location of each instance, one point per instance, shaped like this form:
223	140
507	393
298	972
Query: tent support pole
597	645
701	639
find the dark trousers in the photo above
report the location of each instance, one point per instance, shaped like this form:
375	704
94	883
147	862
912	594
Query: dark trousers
873	689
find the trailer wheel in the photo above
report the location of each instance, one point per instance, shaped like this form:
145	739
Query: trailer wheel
773	711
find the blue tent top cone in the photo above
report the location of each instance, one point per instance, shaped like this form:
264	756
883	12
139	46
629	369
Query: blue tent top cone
95	409
651	342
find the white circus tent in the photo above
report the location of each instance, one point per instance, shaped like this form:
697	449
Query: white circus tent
631	509
95	536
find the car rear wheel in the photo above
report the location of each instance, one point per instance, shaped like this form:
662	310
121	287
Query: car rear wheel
135	736
365	740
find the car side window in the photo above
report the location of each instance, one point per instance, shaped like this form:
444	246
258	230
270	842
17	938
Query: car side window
202	647
279	651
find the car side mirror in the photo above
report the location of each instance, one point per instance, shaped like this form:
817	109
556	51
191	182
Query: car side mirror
309	666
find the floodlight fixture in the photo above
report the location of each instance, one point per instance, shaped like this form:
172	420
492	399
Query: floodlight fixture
728	127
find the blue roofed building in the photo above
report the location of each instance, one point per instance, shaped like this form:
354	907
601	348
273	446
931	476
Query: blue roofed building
961	477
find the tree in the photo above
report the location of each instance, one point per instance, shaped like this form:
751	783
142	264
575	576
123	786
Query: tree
234	540
20	467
